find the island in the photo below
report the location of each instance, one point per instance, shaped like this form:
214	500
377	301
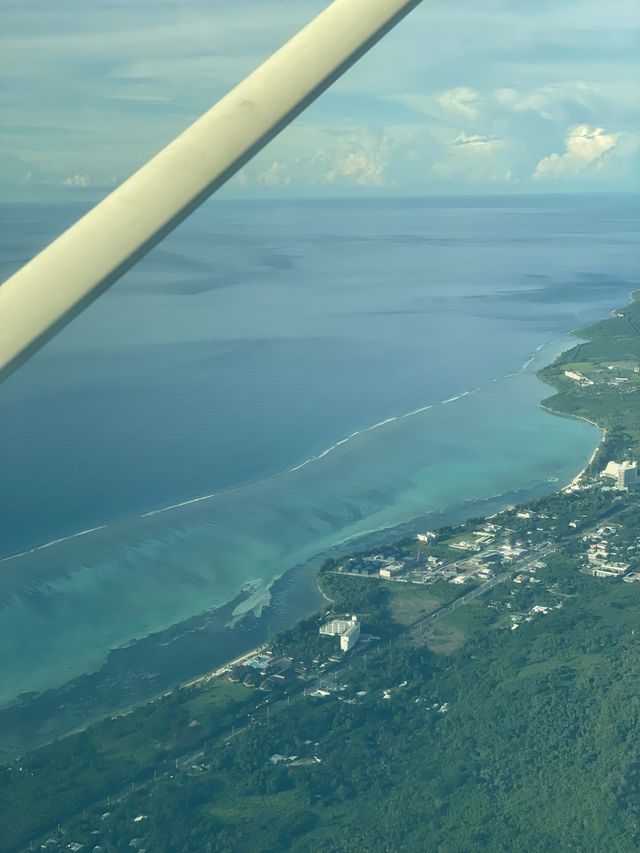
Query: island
473	687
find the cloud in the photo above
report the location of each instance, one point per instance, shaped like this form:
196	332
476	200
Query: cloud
458	94
322	156
576	100
476	142
77	181
553	102
463	102
359	167
585	147
80	182
474	159
276	175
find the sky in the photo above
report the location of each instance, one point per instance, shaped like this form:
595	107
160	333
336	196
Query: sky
475	96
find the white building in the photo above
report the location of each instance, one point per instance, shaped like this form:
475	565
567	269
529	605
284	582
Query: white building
348	629
350	637
627	475
624	473
427	536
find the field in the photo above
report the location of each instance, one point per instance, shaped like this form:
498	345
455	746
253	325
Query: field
409	602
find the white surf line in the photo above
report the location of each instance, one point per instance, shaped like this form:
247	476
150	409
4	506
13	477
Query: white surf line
315	458
201	498
421	409
527	363
52	543
379	424
342	441
178	505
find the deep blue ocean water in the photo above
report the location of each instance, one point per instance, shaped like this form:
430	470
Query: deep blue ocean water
253	340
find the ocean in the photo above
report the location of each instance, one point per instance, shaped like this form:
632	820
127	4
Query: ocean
276	378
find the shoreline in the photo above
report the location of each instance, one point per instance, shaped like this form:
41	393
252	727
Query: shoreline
597	449
205	645
147	668
543	404
632	296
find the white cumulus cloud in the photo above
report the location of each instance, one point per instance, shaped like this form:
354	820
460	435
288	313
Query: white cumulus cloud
77	181
585	147
462	102
364	168
276	175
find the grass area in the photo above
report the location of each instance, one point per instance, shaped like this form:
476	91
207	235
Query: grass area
215	697
256	809
409	602
440	638
582	366
451	542
586	663
473	617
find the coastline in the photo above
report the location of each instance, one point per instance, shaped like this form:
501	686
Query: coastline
579	333
192	651
199	647
603	437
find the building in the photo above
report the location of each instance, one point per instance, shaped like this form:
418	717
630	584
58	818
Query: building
624	473
391	570
348	629
427	536
627	475
485	574
278	666
610	570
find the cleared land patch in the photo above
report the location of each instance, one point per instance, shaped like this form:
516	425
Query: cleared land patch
440	638
410	602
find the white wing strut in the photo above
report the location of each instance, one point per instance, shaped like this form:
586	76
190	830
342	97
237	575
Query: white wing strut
54	287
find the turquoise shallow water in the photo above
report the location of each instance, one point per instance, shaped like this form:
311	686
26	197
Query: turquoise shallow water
254	340
96	591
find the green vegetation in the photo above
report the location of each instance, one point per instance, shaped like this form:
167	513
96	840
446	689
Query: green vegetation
52	783
608	358
532	745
